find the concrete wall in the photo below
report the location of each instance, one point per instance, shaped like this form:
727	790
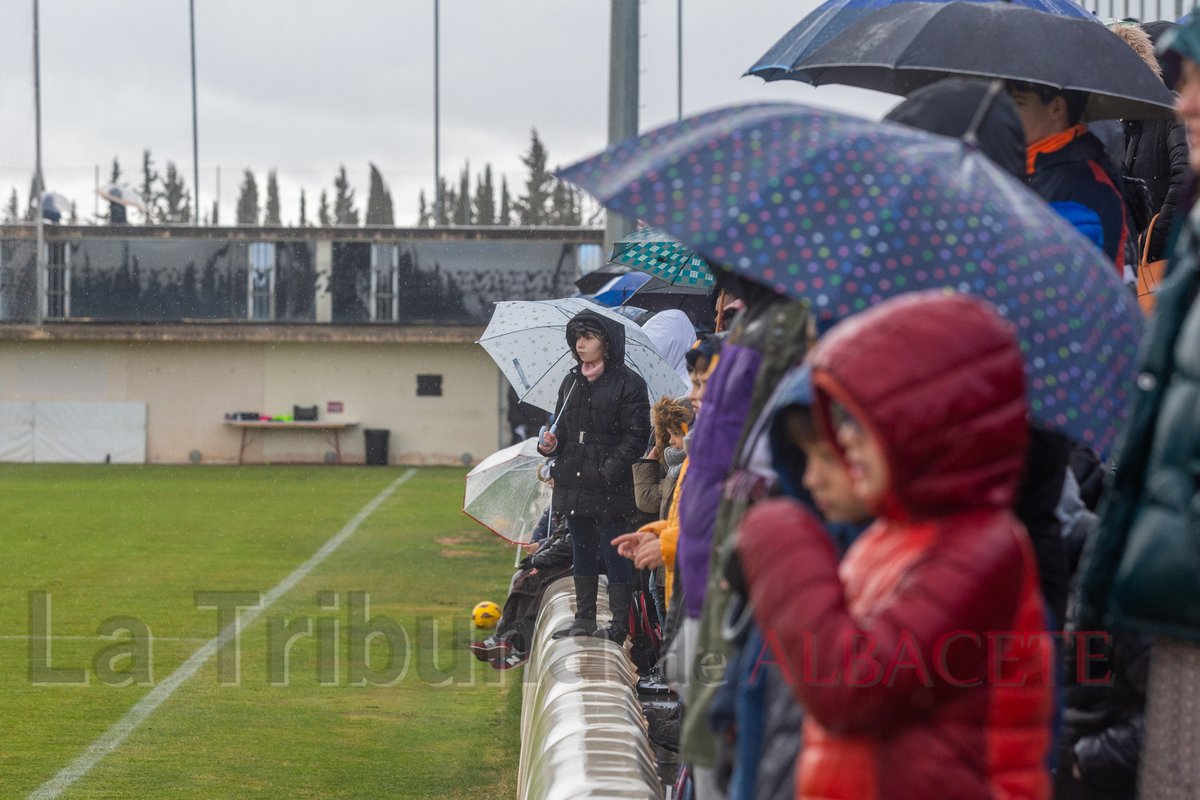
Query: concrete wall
190	386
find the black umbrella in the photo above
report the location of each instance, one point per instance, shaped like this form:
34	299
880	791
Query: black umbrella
657	295
594	280
903	47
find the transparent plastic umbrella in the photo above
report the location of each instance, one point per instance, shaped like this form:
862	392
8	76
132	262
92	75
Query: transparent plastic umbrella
504	494
528	341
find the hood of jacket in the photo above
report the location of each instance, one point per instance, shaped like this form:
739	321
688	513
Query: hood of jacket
614	330
1155	31
672	334
949	107
940	382
788	461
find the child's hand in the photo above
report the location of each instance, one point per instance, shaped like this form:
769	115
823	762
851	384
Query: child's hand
627	544
649	555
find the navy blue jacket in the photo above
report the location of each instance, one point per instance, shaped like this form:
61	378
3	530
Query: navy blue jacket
1083	184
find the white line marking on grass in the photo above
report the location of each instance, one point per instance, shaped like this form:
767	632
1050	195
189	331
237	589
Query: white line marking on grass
100	638
113	737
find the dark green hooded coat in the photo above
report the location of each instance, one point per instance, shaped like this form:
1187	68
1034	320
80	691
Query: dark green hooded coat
1142	568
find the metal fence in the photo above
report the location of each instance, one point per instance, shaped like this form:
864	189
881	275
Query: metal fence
1141	10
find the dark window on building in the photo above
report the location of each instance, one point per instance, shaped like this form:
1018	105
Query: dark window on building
429	386
295	281
262	281
151	279
350	281
58	281
383	282
145	277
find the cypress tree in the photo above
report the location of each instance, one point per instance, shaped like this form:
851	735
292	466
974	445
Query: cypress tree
175	194
462	205
247	204
445	203
424	216
505	217
272	217
323	211
344	212
12	211
379	201
564	206
149	195
303	216
485	198
532	208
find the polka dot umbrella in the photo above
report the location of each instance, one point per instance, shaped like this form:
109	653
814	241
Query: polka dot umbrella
843	213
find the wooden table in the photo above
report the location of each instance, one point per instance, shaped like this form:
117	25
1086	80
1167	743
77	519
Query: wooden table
266	424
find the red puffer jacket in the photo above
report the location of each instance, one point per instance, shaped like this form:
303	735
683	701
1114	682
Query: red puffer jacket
922	661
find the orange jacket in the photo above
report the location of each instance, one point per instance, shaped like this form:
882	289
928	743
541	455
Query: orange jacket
667	531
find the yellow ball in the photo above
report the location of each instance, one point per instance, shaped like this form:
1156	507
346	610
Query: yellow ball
486	615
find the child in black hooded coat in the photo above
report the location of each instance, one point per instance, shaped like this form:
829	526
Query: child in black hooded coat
603	426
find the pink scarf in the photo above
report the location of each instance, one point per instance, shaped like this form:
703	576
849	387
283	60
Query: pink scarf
593	370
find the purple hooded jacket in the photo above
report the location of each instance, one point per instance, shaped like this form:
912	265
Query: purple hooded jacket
718	429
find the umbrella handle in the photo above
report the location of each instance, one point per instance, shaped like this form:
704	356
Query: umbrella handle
554	426
521	374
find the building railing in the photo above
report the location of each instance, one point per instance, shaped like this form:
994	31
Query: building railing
177	273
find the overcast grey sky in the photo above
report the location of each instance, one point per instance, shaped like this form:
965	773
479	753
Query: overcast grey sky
305	85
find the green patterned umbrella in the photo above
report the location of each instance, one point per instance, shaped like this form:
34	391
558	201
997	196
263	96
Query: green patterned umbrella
653	251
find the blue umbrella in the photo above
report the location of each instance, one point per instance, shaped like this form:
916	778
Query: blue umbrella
843	213
653	251
831	18
619	289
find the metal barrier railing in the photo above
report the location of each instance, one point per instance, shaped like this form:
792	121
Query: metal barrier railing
1141	10
583	734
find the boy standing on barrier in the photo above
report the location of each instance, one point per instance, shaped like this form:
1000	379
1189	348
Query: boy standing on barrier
925	398
603	425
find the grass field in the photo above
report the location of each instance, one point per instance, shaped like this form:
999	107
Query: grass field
140	542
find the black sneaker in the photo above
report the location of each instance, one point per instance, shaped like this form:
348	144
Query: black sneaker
511	661
664	726
578	627
612	633
653	684
490	648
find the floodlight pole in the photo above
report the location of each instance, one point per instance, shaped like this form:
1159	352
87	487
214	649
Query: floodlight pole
437	170
41	233
195	128
622	96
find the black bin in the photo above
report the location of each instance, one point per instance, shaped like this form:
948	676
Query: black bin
377	447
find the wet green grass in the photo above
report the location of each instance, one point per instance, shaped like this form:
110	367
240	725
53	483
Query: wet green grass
139	542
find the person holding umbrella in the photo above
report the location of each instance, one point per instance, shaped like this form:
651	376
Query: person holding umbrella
600	432
1069	168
